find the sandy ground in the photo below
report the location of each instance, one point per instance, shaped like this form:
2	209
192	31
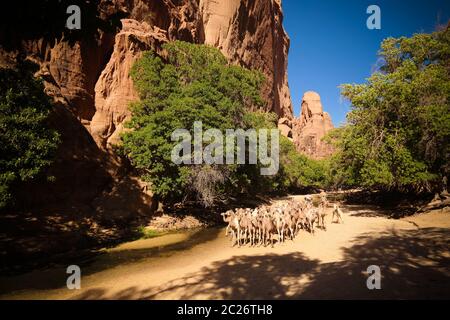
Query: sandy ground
413	254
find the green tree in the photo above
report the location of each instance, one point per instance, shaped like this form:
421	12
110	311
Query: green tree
190	83
398	130
296	172
27	144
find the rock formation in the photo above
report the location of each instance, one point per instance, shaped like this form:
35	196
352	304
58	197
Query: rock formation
231	26
86	73
285	126
312	125
251	33
114	90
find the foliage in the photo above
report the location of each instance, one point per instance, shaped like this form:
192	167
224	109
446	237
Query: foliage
27	144
193	83
398	130
298	171
145	233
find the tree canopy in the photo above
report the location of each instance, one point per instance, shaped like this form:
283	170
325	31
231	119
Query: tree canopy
398	130
192	83
195	83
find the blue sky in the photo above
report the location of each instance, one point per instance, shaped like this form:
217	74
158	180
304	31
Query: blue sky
331	45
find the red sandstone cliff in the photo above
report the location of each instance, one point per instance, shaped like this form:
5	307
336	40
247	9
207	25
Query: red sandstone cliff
87	74
249	33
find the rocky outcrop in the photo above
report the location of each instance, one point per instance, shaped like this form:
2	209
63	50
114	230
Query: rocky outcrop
114	90
86	71
249	33
312	125
150	24
95	194
285	127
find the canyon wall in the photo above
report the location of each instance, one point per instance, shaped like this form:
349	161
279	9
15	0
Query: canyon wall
86	72
249	33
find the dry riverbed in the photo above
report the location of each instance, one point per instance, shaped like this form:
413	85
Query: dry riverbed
413	254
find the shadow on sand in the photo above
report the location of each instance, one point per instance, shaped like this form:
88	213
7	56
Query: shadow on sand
414	264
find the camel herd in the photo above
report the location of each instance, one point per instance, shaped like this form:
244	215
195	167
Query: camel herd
264	224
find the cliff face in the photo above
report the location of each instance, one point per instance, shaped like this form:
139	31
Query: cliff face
89	74
250	33
312	125
87	71
114	90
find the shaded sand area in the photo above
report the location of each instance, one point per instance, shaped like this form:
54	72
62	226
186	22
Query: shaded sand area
413	254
